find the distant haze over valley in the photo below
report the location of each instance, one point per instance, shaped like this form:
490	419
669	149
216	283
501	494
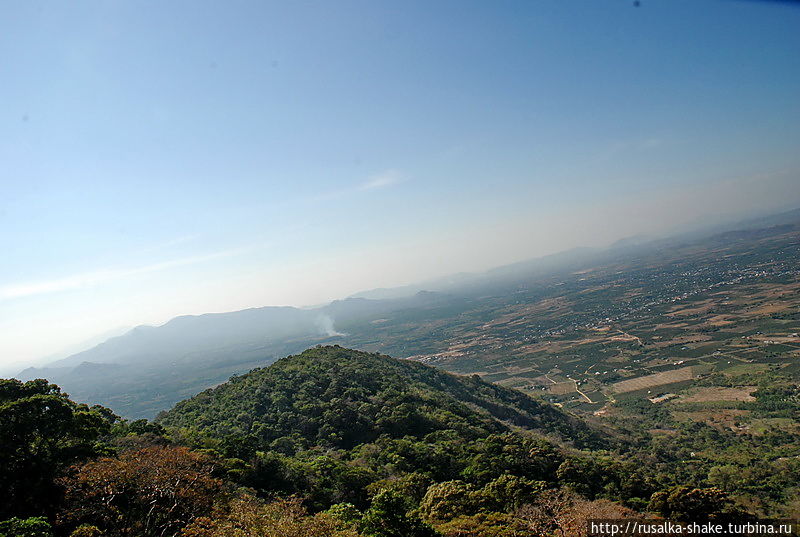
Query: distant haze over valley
147	369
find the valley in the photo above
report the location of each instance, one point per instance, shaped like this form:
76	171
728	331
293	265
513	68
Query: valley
581	329
656	328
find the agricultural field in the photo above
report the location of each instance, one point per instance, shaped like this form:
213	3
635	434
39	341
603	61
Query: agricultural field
705	321
655	380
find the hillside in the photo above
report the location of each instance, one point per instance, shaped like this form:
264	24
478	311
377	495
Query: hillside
332	442
336	425
339	398
579	319
150	368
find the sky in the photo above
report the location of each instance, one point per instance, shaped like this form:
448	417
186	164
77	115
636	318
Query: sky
169	158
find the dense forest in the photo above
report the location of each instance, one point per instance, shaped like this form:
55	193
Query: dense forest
336	442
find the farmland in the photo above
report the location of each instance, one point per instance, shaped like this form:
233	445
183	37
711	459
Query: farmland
717	314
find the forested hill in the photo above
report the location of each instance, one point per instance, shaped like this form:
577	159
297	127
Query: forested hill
341	443
340	398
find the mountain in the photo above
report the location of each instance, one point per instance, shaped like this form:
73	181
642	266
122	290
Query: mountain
84	345
721	224
449	282
632	241
150	368
339	398
494	323
187	337
466	283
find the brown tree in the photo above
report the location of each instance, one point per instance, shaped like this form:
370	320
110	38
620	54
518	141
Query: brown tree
248	517
565	514
151	492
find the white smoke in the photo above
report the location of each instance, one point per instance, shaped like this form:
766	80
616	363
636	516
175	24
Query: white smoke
325	324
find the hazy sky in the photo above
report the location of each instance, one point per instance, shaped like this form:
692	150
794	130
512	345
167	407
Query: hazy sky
164	158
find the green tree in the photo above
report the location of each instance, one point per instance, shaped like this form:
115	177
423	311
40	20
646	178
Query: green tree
684	503
445	501
347	513
29	527
509	492
514	454
42	432
389	516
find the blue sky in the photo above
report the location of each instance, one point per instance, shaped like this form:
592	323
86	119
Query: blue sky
164	158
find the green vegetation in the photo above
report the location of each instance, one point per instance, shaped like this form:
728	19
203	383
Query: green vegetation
342	443
594	319
748	449
338	399
29	527
681	364
42	433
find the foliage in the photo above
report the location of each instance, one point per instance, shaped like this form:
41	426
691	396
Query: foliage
485	525
340	398
42	432
447	500
346	513
562	512
509	492
29	527
85	530
687	504
248	517
390	516
515	454
149	492
350	444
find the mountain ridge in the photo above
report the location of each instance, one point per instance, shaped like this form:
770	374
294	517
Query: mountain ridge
335	397
159	366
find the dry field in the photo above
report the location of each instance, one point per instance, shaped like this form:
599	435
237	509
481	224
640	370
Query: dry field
682	340
721	418
651	381
562	388
718	393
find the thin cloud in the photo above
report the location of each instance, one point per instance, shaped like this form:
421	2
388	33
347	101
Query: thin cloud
375	182
90	279
382	180
182	239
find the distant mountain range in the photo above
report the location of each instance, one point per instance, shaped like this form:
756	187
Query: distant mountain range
149	369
